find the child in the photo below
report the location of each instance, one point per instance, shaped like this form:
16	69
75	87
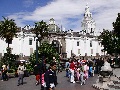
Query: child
82	77
43	84
90	71
77	73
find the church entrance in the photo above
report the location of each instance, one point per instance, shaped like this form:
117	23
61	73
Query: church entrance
57	46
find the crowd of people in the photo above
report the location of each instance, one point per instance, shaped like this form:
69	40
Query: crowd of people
46	76
79	70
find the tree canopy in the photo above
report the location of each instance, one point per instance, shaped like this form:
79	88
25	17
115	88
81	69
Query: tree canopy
8	30
111	39
46	51
41	28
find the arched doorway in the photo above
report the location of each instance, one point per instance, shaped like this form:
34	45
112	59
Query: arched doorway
57	46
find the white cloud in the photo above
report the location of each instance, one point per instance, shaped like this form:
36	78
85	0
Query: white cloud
104	13
28	3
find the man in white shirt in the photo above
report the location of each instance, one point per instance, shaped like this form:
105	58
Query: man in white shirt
21	70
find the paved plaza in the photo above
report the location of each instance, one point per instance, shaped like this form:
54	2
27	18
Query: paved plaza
64	84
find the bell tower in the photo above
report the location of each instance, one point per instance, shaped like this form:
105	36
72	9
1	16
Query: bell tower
88	24
51	21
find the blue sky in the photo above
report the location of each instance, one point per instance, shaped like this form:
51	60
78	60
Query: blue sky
68	13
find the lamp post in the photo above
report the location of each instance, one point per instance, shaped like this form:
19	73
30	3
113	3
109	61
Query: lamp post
37	36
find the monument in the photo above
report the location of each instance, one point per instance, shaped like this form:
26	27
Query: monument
104	77
108	79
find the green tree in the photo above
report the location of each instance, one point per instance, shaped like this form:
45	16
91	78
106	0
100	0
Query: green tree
8	30
46	50
41	28
9	59
116	26
111	39
116	29
106	40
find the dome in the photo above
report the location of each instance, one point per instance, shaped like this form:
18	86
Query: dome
53	28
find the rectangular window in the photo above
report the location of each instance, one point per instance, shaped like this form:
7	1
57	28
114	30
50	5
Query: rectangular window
78	51
77	43
30	41
91	51
90	43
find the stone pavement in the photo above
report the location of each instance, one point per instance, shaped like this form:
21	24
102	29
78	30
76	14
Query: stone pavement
111	82
64	84
117	72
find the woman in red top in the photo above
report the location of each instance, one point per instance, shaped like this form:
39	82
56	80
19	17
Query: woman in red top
72	68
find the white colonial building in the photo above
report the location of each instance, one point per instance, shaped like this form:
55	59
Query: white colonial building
82	43
85	42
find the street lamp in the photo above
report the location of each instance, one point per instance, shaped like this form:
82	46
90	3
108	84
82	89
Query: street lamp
37	36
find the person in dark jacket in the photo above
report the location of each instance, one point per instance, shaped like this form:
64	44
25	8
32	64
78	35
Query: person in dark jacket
50	77
37	73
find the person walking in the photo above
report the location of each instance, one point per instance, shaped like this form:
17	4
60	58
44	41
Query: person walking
72	68
86	69
4	73
50	77
21	70
67	65
78	73
37	74
82	76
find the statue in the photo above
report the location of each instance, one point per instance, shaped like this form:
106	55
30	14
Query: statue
106	70
106	67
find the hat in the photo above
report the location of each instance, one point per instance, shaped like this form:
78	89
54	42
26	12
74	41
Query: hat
4	66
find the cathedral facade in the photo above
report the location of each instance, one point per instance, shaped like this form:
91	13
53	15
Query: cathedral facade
67	43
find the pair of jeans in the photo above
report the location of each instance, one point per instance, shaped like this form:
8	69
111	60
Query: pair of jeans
20	79
72	79
4	76
67	72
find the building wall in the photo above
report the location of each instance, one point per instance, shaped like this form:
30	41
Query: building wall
19	45
3	46
84	46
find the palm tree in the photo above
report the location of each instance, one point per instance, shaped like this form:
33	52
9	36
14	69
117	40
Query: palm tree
8	30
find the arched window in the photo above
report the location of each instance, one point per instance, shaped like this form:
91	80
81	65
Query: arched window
90	43
91	30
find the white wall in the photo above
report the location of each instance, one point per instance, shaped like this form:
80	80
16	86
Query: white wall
19	45
84	46
3	46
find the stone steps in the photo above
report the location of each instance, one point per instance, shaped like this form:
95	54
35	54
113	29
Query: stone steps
113	84
101	86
